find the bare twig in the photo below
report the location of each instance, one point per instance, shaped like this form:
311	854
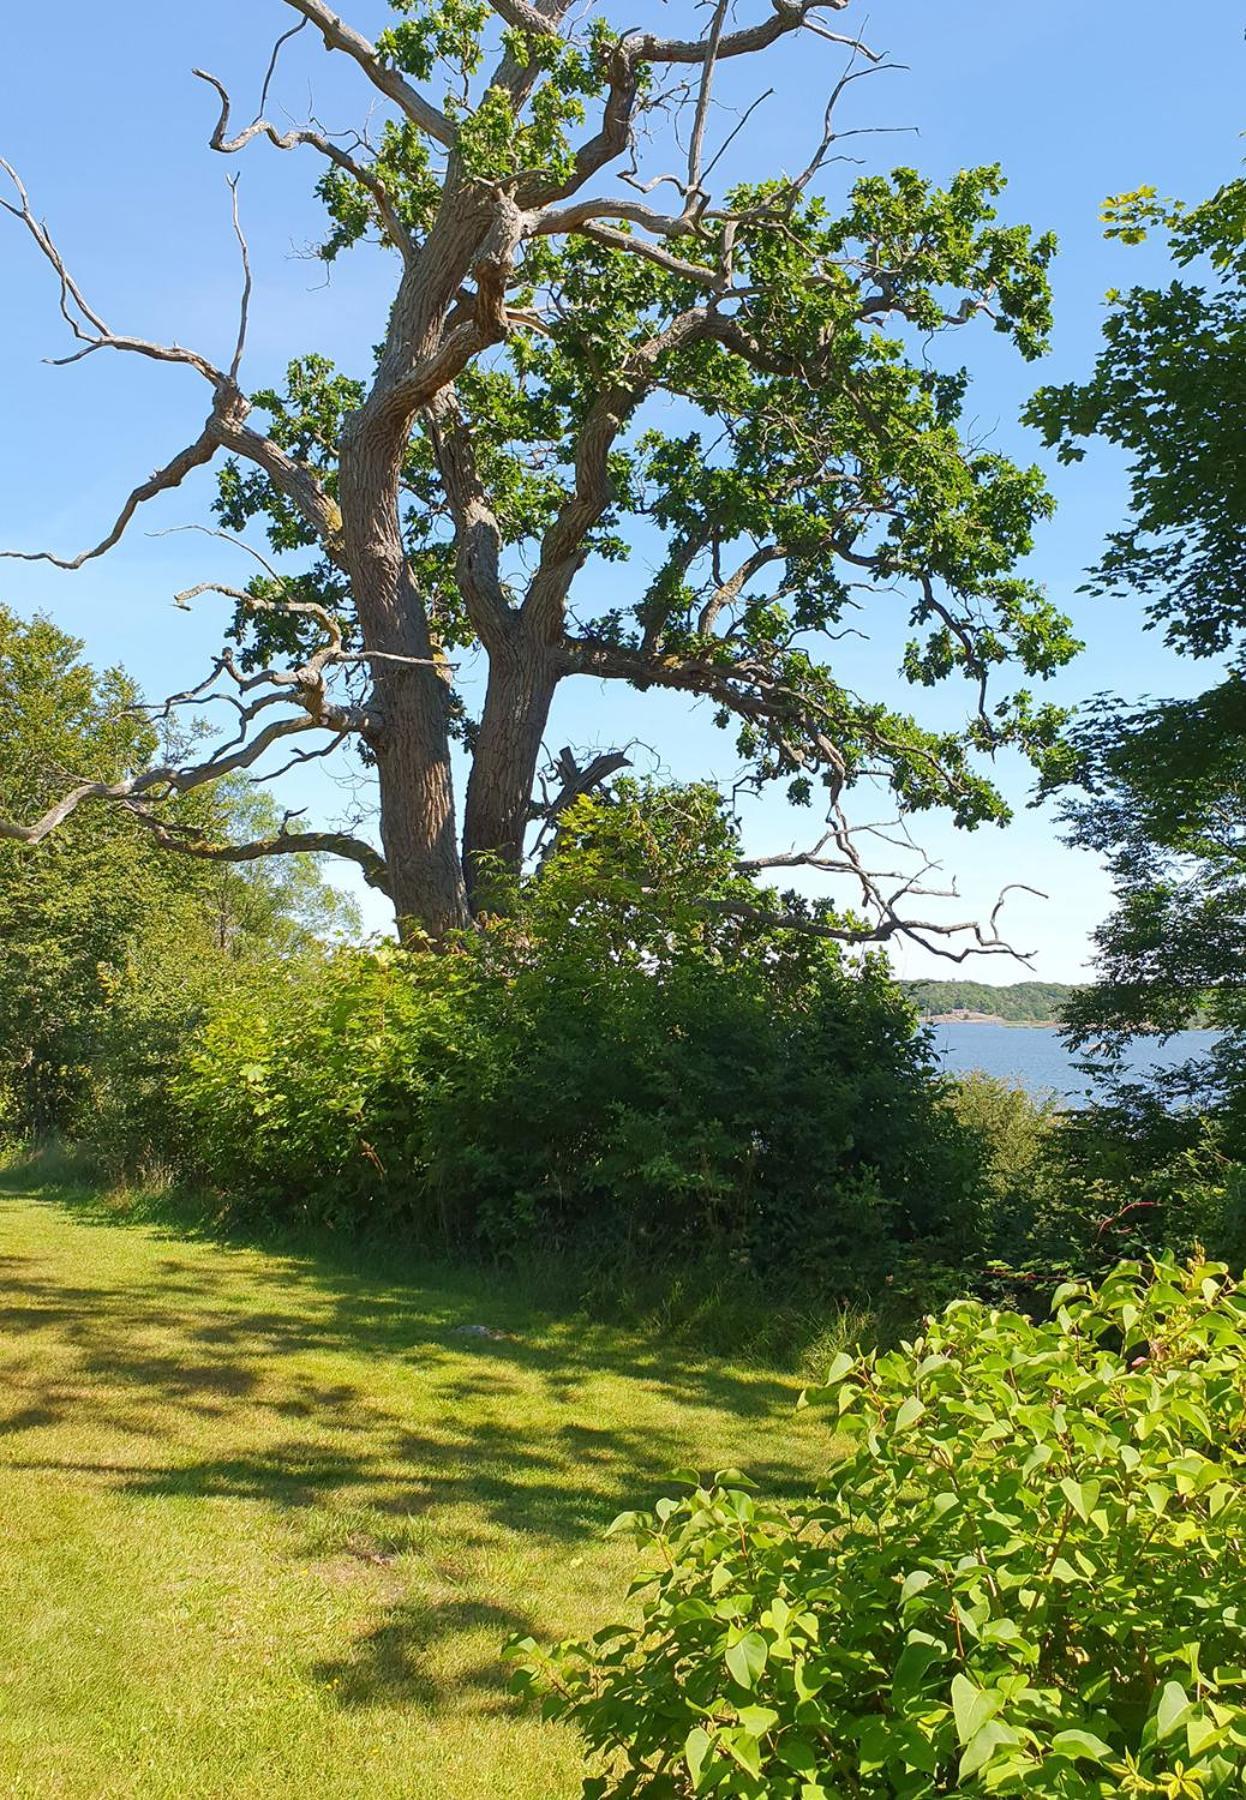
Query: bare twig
245	303
272	63
391	82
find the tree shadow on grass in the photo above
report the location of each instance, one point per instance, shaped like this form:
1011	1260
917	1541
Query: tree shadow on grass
218	1348
199	1354
389	1666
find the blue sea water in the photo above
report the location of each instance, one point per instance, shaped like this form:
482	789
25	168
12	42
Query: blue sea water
1034	1056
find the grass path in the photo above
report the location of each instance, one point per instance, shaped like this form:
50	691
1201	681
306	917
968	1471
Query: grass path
264	1524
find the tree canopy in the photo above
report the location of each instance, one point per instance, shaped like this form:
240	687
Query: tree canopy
594	356
1167	779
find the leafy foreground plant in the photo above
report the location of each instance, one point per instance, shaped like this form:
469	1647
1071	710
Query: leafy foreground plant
1027	1576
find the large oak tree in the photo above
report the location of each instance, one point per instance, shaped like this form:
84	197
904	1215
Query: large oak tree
589	345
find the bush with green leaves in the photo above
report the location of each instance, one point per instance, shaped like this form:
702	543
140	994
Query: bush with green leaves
1017	1136
609	1068
1129	1174
1026	1574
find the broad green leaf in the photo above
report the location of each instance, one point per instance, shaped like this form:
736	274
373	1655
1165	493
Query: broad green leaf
758	1720
1200	1732
972	1706
798	1753
914	1582
1078	1745
746	1750
1082	1496
697	1746
994	1735
747	1659
1172	1709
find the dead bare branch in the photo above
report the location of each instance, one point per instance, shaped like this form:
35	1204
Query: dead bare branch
190	841
367	177
282	41
696	144
172	475
390	81
786	16
226	426
244	307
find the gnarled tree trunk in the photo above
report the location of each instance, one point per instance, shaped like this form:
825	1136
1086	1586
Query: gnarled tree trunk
522	679
412	737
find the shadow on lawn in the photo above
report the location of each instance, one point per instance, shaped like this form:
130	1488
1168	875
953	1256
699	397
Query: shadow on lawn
217	1351
388	1666
174	1363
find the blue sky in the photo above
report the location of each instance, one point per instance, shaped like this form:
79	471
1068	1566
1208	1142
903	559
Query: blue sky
108	128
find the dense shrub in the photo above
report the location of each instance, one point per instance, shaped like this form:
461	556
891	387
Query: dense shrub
1017	1140
1027	1575
1130	1177
611	1066
1079	1189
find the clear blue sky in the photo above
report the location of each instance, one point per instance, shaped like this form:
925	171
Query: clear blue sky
102	117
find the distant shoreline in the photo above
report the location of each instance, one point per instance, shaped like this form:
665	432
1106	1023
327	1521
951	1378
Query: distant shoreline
961	1002
960	1018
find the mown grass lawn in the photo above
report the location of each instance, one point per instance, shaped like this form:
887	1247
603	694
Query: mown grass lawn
265	1524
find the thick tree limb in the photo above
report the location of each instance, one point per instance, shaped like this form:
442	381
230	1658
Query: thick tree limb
575	782
290	477
748	690
478	536
573	217
159	783
728	592
563	549
787	16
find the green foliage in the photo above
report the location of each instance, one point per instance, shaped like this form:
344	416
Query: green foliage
1016	1140
108	946
1026	1576
1172	358
64	907
1134	1171
609	1068
1166	780
1168	786
824	428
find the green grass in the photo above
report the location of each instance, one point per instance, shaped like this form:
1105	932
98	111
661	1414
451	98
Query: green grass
266	1521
